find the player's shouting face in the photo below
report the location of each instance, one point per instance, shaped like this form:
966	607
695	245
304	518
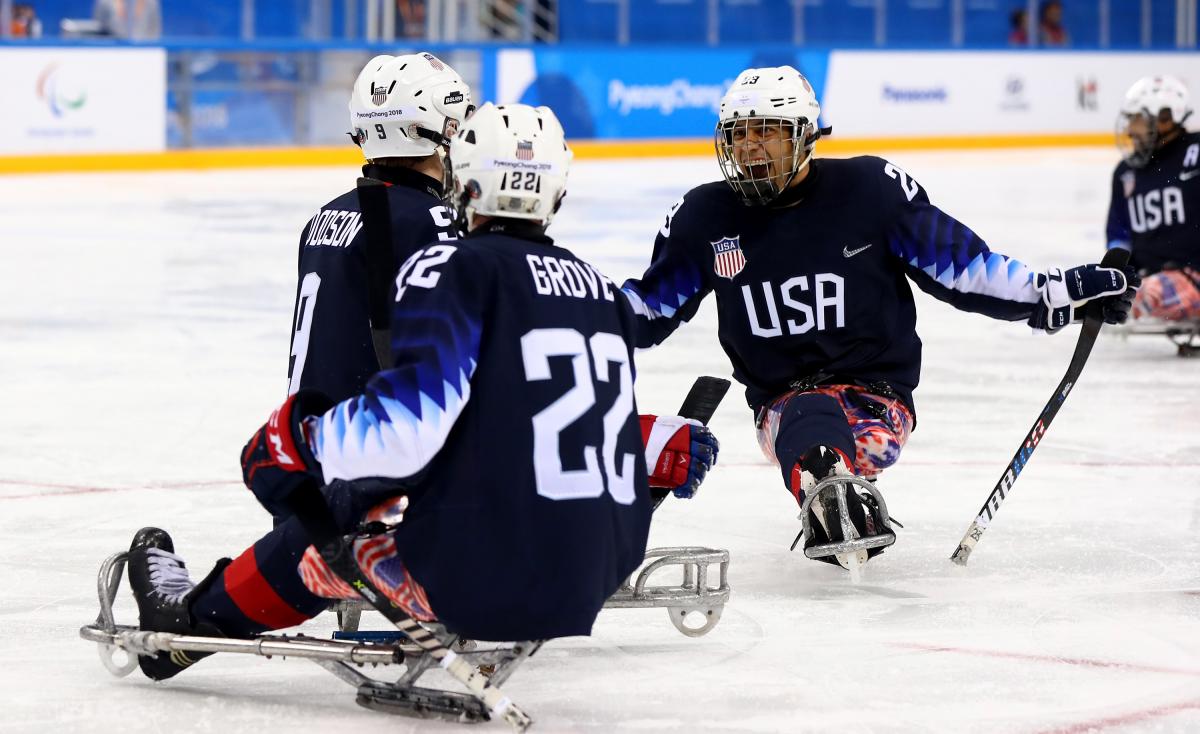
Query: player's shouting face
764	149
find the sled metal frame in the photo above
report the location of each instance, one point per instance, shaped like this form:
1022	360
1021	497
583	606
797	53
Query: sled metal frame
694	595
1185	335
840	486
344	659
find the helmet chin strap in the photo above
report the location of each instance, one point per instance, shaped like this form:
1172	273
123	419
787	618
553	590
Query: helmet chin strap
803	164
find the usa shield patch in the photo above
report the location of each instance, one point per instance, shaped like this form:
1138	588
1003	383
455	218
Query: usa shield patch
1128	179
729	259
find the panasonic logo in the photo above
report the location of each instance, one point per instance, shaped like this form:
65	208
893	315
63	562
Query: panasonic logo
915	94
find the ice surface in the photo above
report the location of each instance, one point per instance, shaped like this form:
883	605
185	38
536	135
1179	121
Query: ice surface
144	324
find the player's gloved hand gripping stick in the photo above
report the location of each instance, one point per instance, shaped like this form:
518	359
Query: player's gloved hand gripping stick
1111	309
680	453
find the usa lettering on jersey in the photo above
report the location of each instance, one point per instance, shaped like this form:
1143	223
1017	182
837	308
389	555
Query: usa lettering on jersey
1157	208
828	305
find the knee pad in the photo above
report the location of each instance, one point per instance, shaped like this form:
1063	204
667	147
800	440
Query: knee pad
808	420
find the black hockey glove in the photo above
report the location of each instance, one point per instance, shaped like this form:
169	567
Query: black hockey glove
277	460
1064	293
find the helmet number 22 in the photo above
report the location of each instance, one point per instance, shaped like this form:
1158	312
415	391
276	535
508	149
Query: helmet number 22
521	181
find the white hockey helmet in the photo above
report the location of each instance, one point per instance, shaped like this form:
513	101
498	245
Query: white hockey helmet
509	161
774	100
407	106
1149	99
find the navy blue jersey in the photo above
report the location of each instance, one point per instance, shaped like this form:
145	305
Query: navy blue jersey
332	349
1148	212
817	284
509	415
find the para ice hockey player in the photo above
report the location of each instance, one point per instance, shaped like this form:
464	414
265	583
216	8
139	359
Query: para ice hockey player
1153	189
810	261
403	112
506	425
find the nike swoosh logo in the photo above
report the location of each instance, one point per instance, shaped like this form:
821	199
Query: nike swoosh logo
847	252
1185	175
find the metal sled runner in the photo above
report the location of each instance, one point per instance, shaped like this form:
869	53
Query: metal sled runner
344	659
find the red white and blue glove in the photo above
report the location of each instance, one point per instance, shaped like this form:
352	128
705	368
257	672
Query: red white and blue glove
277	460
1064	294
679	452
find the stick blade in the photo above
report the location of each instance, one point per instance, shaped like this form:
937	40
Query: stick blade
704	397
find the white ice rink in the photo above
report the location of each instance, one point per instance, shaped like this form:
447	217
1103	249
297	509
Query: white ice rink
144	323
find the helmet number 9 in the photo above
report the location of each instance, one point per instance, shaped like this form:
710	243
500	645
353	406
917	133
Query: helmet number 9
521	181
379	129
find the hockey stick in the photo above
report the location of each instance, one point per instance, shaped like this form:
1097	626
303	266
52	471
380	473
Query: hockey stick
311	510
700	404
1093	320
381	262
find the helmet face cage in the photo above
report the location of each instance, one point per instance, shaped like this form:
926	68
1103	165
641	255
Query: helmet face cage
761	155
1138	136
1137	146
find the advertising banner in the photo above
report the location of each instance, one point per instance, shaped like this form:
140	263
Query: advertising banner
922	94
82	100
636	93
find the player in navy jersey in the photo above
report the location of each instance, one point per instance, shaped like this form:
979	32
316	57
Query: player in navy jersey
505	434
403	112
1155	205
810	263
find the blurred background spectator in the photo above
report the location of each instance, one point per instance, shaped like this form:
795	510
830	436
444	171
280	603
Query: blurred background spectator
1050	27
133	19
410	18
25	23
1018	25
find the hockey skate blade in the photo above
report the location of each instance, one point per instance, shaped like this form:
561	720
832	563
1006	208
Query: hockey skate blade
847	547
422	703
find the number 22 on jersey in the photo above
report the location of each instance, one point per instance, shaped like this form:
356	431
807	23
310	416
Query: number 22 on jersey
537	347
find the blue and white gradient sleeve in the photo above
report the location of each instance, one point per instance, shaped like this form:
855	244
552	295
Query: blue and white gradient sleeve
951	263
671	289
1118	230
400	422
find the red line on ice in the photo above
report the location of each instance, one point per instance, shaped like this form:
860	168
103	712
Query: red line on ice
980	462
1083	662
74	489
1132	717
